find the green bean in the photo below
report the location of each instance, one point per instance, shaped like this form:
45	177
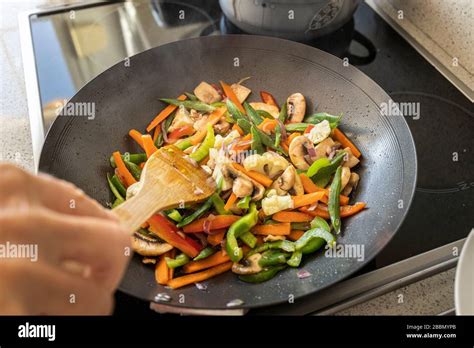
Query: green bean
297	127
252	114
334	204
114	190
190	104
264	114
262	276
179	261
321	116
206	252
196	215
118	184
134	169
256	141
136	158
191	96
283	113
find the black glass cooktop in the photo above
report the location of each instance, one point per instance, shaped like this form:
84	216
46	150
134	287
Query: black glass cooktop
69	53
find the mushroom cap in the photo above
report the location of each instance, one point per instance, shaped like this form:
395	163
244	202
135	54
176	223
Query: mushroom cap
298	149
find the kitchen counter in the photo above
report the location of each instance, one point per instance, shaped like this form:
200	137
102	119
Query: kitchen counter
431	296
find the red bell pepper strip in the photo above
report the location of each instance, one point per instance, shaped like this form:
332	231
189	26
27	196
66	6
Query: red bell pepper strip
267	98
167	231
179	133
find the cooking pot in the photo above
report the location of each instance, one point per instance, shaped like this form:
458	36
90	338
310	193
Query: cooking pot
299	20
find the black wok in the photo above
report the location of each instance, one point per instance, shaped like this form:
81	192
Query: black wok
77	149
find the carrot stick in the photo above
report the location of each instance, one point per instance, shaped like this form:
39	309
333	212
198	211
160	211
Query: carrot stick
231	95
163	114
307	199
214	117
137	136
237	147
161	270
282	229
149	145
267	98
238	129
208	262
316	212
258	177
295	234
216	239
345	142
291	137
348	210
230	201
171	254
291	216
217	222
268	125
123	170
199	277
310	187
156	132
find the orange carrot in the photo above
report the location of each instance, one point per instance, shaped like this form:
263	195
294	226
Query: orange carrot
217	238
295	234
156	132
142	165
285	147
316	212
238	147
200	276
267	98
291	137
345	211
268	125
214	117
291	216
310	187
258	177
123	170
161	270
238	129
307	199
215	223
231	95
211	261
171	254
348	210
345	142
163	114
230	201
137	136
282	229
149	145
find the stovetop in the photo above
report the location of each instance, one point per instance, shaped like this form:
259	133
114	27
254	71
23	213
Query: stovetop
72	47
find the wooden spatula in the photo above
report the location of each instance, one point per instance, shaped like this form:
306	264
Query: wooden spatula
168	180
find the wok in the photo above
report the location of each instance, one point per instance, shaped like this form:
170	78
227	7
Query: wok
77	149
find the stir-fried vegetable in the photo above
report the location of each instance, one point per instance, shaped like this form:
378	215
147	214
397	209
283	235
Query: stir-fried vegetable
284	179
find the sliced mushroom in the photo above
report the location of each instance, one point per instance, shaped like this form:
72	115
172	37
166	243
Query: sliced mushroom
324	148
181	119
271	109
298	151
241	92
258	189
297	188
288	181
242	187
296	107
351	160
270	163
250	265
351	185
272	238
147	247
222	126
200	122
206	93
345	176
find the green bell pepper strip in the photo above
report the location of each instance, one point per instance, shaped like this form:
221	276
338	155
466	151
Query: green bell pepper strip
323	176
319	222
234	112
237	229
295	258
134	169
249	239
244	124
264	114
191	96
262	276
252	114
219	204
117	202
297	127
272	258
313	233
179	261
114	190
159	140
244	203
119	186
218	104
317	165
256	142
283	113
321	116
284	245
300	226
190	104
206	252
334	201
206	144
184	144
268	141
277	135
316	243
174	215
197	214
136	158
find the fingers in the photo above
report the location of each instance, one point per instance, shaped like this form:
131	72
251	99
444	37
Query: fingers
41	289
97	244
